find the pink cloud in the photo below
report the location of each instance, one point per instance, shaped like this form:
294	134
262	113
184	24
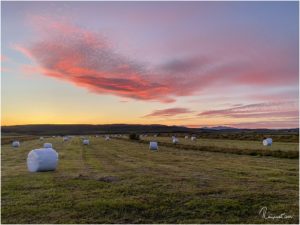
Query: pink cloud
278	124
88	60
24	51
261	110
3	58
85	59
287	95
168	112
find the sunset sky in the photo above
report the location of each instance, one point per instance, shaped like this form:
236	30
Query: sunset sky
176	63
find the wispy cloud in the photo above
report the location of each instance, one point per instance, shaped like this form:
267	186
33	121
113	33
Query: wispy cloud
270	124
168	112
270	109
3	58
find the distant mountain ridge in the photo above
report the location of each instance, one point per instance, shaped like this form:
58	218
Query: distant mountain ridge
220	128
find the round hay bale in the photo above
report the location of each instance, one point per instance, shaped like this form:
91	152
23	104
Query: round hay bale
186	137
86	142
267	142
193	138
43	159
41	138
47	145
65	138
153	146
175	141
15	144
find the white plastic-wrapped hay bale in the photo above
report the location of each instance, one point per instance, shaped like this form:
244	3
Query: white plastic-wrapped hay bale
86	142
193	138
43	159
186	137
153	146
15	144
65	138
267	142
47	145
175	141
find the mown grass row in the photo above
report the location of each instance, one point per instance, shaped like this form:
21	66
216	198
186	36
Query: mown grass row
252	152
246	136
9	139
124	182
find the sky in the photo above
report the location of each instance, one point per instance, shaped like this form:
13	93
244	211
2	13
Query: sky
189	64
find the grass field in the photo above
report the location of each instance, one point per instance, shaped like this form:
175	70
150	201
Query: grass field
8	139
123	182
236	144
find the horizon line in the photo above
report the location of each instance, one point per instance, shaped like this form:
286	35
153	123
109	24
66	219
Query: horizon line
108	124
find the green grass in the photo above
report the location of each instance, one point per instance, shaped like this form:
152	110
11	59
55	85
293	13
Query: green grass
8	139
235	144
251	135
279	150
119	181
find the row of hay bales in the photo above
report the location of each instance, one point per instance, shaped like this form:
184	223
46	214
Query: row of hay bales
46	158
156	135
67	137
175	140
266	141
154	145
42	159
